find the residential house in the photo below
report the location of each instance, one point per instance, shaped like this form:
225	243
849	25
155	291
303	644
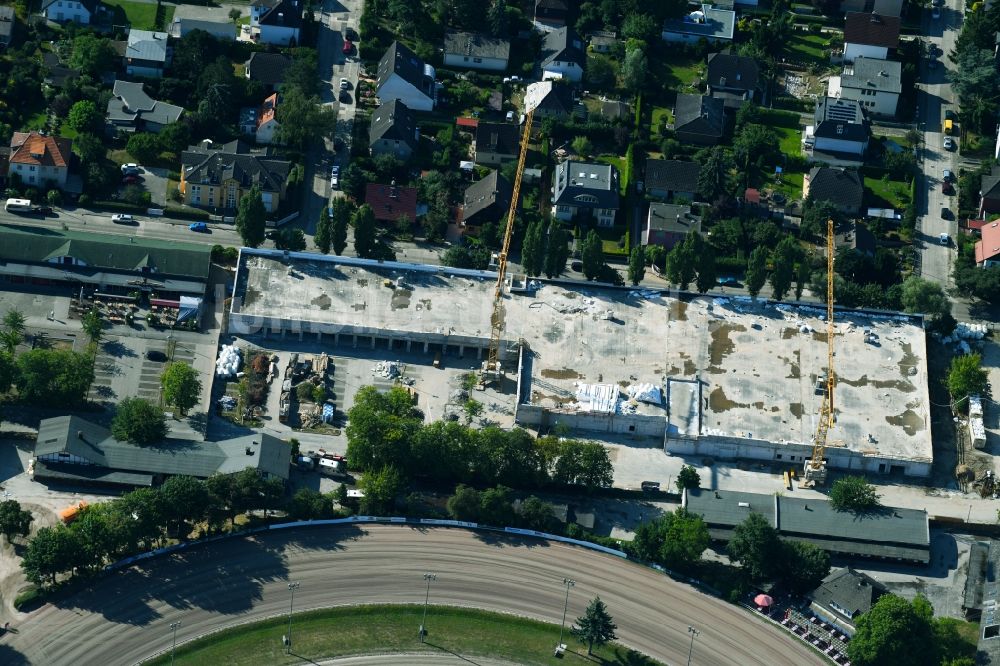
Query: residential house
63	11
602	41
563	55
845	595
988	247
40	160
555	100
132	110
57	75
699	119
550	14
473	50
668	224
70	449
496	143
404	76
844	188
733	79
217	176
222	30
613	109
487	201
267	120
268	69
146	53
870	35
840	132
7	21
671	179
276	21
875	84
989	193
392	203
710	23
583	187
393	131
881	7
856	236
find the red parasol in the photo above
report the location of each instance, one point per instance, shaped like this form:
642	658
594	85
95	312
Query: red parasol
763	600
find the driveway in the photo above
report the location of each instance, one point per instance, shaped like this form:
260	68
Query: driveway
155	181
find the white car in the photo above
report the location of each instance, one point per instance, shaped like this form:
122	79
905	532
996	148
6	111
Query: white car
130	168
944	239
122	218
949	143
345	84
334	175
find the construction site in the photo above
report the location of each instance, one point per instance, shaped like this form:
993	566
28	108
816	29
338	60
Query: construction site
707	377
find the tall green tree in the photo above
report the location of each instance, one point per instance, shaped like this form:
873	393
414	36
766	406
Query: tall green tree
381	487
343	211
302	120
143	146
756	546
756	274
636	265
805	566
895	631
924	296
676	540
380	429
595	626
853	493
84	117
496	18
533	248
91	54
14	321
251	218
52	551
635	70
592	255
14	521
556	251
185	498
54	376
704	255
682	263
323	237
784	259
181	386
138	421
93	326
365	243
464	504
688	478
583	463
966	377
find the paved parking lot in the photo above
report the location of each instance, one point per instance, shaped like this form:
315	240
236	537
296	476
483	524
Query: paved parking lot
122	368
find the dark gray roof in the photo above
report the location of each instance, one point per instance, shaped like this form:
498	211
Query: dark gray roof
57	74
131	103
732	71
284	13
674	175
493	190
268	68
972	599
400	60
890	533
476	45
558	100
863	240
848	592
586	185
843	187
207	163
873	74
147	45
698	114
615	109
78	437
6	21
872	29
988	184
90	474
840	119
673	218
564	45
501	138
393	121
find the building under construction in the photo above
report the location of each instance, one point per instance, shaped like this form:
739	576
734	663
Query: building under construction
710	377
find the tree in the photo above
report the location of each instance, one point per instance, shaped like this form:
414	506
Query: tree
688	478
682	263
676	540
54	376
52	551
464	504
495	507
14	521
175	137
754	142
533	248
292	239
14	321
234	15
323	236
8	371
601	72
641	26
365	243
138	421
592	255
381	489
556	251
783	259
636	265
714	175
181	386
92	55
894	631
143	146
84	117
924	296
496	18
93	326
582	145
537	515
380	429
756	546
756	274
853	493
302	120
966	377
595	627
815	215
309	504
343	210
805	566
635	70
583	463
251	218
185	498
704	263
89	148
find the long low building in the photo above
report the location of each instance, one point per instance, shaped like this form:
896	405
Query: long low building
70	449
886	534
109	263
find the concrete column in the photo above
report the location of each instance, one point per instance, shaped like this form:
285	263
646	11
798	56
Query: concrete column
461	351
319	336
408	343
479	353
355	344
300	334
427	347
336	339
373	341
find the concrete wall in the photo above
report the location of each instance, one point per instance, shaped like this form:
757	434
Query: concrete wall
539	417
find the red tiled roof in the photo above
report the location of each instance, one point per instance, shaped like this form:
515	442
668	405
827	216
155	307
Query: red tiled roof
752	196
989	248
33	148
467	122
872	29
390	202
267	110
974	225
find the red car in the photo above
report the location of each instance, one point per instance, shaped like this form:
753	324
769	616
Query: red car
348	46
130	180
947	188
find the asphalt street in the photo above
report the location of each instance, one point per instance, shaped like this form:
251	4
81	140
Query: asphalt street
126	617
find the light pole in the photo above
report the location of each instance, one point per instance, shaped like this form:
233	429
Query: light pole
694	633
568	582
173	643
427	595
291	603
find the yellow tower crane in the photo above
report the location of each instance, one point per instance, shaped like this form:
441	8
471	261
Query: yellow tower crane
815	467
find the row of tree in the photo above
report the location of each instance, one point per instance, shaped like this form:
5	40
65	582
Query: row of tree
385	430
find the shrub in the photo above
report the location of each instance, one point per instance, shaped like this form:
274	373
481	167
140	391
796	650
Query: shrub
28	599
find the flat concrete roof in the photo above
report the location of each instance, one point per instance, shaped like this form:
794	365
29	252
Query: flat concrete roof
724	367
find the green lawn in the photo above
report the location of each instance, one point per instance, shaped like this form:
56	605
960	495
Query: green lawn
886	193
319	635
37	121
808	48
680	71
139	14
661	116
790	185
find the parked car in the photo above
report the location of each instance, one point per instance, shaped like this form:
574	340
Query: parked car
352	35
947	188
944	239
950	115
344	84
348	47
945	213
334	175
949	143
130	168
947	175
727	280
345	97
198	226
131	179
122	218
156	356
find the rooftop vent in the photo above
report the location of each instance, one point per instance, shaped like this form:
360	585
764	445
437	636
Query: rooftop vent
744	505
249	451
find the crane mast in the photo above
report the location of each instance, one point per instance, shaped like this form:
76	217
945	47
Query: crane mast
815	467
